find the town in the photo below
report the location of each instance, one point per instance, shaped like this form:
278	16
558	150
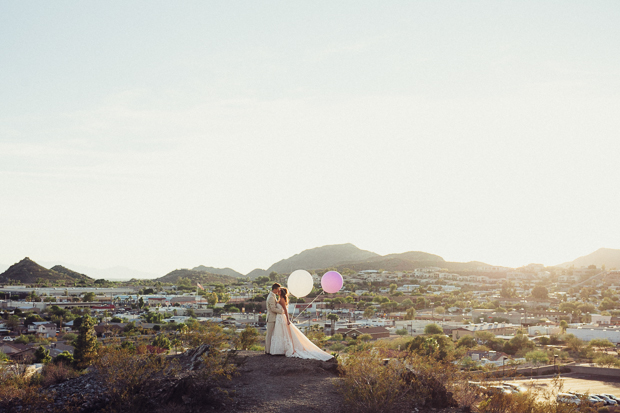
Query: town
529	321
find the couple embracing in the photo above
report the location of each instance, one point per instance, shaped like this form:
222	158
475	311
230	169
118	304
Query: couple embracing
283	337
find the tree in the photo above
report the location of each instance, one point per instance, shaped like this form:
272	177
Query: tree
563	326
574	344
517	343
12	322
333	317
212	299
607	360
537	357
401	331
89	297
31	319
365	337
601	343
368	312
410	315
393	288
433	329
467	342
440	310
42	355
85	344
540	292
162	341
65	357
273	276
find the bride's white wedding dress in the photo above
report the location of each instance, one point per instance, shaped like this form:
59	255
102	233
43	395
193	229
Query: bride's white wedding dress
287	339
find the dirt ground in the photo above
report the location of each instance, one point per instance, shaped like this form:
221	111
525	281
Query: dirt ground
278	384
270	384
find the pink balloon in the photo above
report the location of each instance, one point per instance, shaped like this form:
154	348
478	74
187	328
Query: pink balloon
331	282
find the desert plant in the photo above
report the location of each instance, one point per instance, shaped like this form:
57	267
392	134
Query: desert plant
85	344
248	338
369	385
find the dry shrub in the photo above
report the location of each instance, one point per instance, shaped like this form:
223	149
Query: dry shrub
433	380
57	373
18	393
370	385
126	376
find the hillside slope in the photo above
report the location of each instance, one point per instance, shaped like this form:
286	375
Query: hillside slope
608	257
221	271
196	277
321	257
29	272
70	273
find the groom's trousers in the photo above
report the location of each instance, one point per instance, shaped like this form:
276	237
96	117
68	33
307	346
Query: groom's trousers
270	326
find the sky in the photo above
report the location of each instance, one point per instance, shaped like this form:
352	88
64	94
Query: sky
160	135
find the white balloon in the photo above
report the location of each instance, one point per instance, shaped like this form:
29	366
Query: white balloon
300	283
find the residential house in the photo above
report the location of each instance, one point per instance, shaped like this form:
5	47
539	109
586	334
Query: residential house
375	332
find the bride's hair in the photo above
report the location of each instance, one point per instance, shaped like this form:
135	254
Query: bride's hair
284	294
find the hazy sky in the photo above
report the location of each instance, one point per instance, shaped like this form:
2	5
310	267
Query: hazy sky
160	135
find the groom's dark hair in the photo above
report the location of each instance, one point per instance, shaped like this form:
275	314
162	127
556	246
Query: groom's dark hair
276	285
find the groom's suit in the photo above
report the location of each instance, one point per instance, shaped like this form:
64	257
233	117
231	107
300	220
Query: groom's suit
272	312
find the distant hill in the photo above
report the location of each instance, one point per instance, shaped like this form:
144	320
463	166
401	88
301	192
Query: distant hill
75	275
197	276
222	271
29	272
608	257
321	257
343	256
256	272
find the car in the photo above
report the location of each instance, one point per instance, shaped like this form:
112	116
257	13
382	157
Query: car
516	388
594	400
498	390
8	338
612	397
607	400
567	398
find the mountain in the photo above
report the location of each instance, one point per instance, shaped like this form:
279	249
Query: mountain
110	273
608	257
75	275
256	272
343	256
29	272
222	271
321	257
201	277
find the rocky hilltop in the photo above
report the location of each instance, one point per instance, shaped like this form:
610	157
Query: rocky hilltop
262	384
29	272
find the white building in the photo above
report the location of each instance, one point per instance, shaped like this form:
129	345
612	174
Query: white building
588	333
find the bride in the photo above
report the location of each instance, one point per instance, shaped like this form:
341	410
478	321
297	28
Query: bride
287	339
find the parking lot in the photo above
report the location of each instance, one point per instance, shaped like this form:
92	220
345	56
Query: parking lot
579	383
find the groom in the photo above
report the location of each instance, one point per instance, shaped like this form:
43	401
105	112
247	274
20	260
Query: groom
272	312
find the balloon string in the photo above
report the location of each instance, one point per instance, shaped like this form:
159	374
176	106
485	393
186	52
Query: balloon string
317	296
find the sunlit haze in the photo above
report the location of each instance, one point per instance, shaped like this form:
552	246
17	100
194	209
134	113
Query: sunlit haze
164	135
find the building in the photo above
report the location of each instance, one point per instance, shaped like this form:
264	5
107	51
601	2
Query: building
375	332
590	332
495	328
